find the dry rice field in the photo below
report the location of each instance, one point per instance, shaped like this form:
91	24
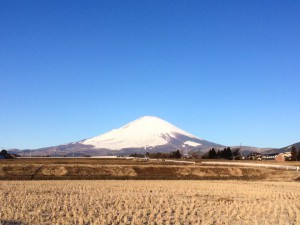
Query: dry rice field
149	202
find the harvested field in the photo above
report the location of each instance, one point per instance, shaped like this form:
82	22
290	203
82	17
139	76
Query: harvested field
78	161
36	171
135	169
149	202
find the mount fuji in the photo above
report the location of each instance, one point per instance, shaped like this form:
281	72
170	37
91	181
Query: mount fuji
147	133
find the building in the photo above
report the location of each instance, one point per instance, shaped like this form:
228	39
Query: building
254	156
282	157
269	156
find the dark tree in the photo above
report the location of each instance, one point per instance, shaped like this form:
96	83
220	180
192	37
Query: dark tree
294	153
137	155
212	154
236	153
219	153
223	153
298	156
177	154
227	153
3	152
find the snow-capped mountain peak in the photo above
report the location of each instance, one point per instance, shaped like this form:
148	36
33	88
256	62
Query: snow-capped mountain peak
145	131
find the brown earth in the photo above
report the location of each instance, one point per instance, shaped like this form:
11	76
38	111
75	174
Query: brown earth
97	169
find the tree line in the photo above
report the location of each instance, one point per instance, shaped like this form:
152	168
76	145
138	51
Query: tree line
226	153
159	155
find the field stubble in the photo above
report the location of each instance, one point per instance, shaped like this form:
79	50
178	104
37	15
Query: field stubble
98	169
149	202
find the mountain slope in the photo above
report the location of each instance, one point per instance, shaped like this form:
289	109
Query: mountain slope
284	149
147	133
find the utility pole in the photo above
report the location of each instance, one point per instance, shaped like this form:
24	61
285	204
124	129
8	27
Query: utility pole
145	150
241	150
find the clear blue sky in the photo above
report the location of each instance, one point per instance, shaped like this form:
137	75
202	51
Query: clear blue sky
226	71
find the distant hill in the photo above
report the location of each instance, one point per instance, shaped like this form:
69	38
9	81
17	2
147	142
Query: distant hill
246	150
284	149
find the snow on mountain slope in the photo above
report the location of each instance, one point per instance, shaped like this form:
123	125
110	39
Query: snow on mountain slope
146	131
192	143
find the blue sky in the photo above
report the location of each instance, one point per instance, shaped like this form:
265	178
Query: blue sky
226	71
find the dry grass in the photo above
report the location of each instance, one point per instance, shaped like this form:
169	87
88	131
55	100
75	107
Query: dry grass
98	169
149	202
138	172
92	161
272	162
